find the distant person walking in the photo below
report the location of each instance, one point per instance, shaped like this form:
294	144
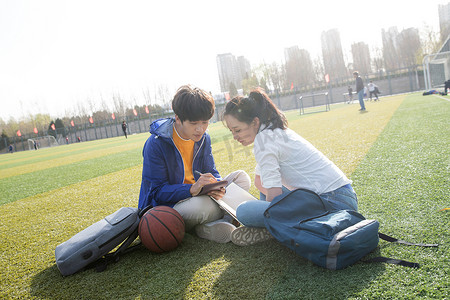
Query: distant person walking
350	95
373	89
446	86
360	90
124	128
11	148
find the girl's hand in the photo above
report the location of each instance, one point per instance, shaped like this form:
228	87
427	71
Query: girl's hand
272	193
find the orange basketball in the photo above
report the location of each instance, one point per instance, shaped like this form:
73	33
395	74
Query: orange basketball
161	229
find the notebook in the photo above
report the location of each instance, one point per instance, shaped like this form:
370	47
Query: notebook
234	196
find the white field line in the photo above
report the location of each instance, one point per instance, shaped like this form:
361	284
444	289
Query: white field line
446	99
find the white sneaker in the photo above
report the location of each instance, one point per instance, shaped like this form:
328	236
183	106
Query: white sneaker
244	236
217	231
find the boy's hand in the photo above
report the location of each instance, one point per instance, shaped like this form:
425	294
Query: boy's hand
204	179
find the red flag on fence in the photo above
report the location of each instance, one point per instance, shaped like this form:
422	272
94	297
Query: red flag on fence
146	110
134	112
72	123
327	78
227	96
53	126
292	86
19	133
91	120
113	116
35	130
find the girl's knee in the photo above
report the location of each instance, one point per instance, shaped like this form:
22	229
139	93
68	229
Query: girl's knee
251	213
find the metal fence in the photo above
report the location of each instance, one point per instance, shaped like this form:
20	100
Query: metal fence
389	83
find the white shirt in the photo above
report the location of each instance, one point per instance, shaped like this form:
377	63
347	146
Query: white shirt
371	87
285	158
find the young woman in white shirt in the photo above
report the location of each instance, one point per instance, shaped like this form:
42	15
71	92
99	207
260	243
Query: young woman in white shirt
285	161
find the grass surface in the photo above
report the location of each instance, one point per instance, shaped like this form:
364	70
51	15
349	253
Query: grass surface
396	154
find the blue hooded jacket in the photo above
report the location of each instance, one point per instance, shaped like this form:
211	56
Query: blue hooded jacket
163	169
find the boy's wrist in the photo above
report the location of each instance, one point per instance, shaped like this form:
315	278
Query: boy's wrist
194	191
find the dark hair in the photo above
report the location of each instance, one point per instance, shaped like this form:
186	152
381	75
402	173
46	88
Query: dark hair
193	104
257	104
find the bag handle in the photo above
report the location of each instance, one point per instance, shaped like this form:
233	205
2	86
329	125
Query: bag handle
399	262
394	240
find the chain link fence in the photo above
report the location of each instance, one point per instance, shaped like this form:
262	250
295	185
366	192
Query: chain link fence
389	83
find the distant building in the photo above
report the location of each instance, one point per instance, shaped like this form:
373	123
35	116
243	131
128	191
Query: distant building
444	20
244	67
361	58
299	67
409	46
400	50
390	48
232	70
333	57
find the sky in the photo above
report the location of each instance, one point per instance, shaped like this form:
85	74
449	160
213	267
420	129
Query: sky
56	55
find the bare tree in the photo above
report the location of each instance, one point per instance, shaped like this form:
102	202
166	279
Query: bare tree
277	76
147	96
163	95
319	70
429	40
119	105
377	60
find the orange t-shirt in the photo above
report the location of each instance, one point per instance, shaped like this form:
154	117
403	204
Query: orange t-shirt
186	148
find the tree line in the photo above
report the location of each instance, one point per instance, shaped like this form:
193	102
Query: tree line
299	73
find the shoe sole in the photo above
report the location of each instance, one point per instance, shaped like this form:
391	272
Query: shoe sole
245	236
218	232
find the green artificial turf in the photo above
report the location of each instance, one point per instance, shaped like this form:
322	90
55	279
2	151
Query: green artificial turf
29	184
400	173
66	151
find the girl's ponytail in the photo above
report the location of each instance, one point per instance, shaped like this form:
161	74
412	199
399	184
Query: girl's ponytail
268	113
257	104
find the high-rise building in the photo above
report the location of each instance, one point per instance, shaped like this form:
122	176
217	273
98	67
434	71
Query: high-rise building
390	39
232	70
409	46
244	67
299	67
333	57
361	58
444	20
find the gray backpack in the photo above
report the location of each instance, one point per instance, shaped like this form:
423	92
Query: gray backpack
91	247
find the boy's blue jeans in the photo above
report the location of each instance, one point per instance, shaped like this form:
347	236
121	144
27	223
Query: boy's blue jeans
361	99
251	213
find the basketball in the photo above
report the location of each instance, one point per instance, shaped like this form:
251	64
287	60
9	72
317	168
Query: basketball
161	229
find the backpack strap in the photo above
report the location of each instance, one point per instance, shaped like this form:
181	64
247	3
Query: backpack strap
101	264
394	240
399	262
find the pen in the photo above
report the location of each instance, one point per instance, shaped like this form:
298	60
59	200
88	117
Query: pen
198	173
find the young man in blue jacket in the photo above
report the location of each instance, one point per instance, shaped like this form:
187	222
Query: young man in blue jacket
178	162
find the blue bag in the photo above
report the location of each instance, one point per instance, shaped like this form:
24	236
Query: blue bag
333	239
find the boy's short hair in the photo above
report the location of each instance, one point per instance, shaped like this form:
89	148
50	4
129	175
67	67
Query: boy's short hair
193	104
